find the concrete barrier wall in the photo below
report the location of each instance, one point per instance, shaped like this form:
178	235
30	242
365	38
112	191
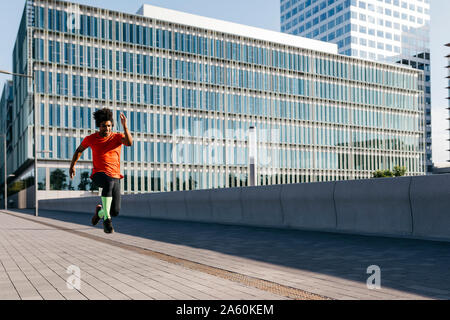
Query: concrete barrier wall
198	205
309	206
134	205
226	205
374	206
261	206
430	202
415	207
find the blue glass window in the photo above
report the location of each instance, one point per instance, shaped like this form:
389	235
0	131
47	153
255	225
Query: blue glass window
117	31
66	116
50	18
41	17
50	83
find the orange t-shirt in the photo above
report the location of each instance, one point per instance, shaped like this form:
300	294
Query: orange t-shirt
105	153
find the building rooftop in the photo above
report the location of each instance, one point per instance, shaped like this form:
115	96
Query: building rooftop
192	20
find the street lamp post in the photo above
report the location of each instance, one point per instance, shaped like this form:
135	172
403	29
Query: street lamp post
36	202
36	212
6	172
252	155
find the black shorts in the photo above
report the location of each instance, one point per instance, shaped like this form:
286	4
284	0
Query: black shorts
110	188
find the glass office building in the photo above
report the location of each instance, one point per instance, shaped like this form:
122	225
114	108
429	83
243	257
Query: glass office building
393	31
191	87
6	132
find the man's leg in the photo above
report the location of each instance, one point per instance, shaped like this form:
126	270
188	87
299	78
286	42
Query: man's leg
107	184
115	206
106	207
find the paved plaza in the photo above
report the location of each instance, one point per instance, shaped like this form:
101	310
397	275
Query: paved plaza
160	259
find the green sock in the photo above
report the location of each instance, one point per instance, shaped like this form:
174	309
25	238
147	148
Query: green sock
104	213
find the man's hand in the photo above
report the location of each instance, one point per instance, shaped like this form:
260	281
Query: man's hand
127	139
72	172
123	120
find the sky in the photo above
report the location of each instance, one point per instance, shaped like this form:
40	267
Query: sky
263	14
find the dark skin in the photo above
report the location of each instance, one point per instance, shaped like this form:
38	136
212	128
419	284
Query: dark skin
104	130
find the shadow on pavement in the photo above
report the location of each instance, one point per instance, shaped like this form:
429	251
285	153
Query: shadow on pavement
414	266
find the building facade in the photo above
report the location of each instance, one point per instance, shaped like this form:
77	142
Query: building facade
393	31
191	87
6	114
6	132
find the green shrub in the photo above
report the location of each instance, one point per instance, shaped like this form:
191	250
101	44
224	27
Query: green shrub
398	172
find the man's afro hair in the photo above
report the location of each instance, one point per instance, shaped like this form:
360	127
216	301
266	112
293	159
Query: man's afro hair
102	115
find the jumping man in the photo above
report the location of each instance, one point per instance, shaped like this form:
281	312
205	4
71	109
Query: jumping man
106	146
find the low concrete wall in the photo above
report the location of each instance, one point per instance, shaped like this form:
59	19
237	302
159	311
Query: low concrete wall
133	205
226	205
309	206
430	203
414	207
198	205
374	206
85	204
261	206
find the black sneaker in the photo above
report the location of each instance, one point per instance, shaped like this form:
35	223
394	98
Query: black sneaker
96	218
107	226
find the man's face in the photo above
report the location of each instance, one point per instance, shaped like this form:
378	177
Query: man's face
105	128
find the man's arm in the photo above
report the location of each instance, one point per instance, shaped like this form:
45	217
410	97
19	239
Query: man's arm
128	139
75	158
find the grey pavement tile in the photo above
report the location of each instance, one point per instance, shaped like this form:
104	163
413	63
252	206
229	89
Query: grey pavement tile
31	297
7	291
158	295
5	282
17	276
134	294
189	290
72	294
91	293
24	288
116	296
3	276
9	296
51	295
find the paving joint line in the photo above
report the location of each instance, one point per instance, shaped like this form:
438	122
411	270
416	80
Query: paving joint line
261	284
